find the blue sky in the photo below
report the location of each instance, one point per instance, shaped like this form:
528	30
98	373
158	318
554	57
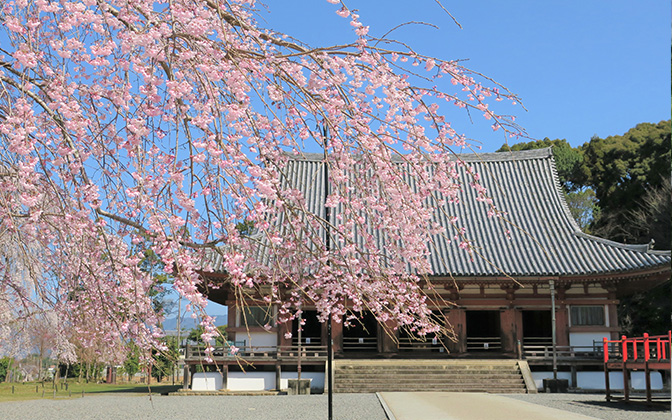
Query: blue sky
582	68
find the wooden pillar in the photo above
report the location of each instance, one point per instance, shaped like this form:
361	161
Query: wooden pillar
612	314
278	376
457	319
232	319
508	329
518	322
626	383
667	379
284	328
647	378
186	377
388	342
336	335
225	376
562	325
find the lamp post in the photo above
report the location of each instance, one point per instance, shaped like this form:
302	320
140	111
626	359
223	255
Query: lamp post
553	334
298	364
327	246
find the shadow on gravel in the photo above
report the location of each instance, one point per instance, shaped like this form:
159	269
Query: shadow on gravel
140	389
632	406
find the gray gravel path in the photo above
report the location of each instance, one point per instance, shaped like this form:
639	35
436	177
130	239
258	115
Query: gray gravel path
594	405
285	407
126	407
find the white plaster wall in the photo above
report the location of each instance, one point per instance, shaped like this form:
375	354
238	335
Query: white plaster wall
638	380
586	338
259	339
595	380
317	382
250	381
206	381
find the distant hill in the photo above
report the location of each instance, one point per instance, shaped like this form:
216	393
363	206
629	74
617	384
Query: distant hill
188	323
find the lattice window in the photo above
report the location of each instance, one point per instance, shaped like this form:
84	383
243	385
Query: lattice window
256	316
587	315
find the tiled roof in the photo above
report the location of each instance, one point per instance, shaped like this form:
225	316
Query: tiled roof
545	241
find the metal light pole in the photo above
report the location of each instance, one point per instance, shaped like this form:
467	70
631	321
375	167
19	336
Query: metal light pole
327	245
298	364
555	356
330	380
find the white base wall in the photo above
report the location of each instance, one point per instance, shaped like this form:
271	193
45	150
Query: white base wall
264	381
316	384
206	381
595	380
587	339
250	381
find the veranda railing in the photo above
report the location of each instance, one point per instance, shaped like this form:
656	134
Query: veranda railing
308	353
360	343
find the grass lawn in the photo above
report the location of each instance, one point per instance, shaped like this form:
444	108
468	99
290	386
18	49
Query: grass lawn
34	390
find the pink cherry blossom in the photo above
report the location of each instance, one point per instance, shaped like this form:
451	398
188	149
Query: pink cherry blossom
137	126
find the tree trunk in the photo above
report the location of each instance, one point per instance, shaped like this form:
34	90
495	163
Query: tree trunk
65	377
39	366
55	378
8	377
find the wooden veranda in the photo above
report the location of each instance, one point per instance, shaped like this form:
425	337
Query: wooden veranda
647	353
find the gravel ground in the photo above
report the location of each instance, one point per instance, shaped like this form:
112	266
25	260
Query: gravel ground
126	407
595	405
285	407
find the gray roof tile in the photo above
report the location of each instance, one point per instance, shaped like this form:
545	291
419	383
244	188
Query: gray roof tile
544	240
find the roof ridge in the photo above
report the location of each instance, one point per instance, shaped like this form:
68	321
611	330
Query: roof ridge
468	157
643	248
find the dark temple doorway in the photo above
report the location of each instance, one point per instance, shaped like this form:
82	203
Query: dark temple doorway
537	328
311	331
362	333
483	331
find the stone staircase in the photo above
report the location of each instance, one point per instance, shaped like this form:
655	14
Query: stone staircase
492	376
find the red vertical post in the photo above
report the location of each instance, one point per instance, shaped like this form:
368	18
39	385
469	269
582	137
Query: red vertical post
624	347
634	349
646	347
605	345
658	346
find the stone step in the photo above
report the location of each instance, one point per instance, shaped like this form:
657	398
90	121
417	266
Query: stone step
364	372
410	362
429	368
189	392
377	386
484	389
426	387
427	378
352	362
425	372
498	376
433	379
427	375
432	369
